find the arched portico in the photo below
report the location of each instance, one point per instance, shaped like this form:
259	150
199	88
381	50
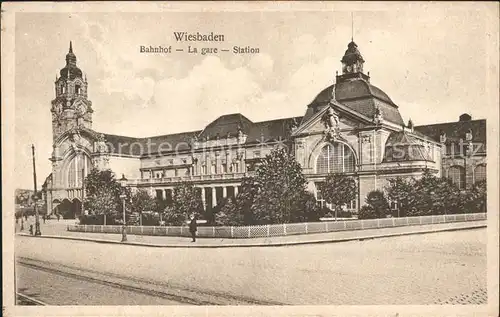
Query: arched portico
69	209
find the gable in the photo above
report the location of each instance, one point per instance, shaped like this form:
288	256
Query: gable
345	120
320	126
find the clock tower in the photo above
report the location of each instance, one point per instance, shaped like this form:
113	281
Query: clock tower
70	109
352	64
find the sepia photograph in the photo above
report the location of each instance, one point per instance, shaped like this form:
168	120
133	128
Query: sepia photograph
250	159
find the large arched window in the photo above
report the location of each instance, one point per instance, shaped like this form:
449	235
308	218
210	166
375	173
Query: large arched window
72	170
480	173
457	176
335	158
78	165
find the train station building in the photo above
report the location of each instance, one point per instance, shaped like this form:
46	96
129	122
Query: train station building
350	127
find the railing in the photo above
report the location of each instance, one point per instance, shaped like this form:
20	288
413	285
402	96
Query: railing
189	178
281	229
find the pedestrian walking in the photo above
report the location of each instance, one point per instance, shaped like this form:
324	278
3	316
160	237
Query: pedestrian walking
31	229
193	227
58	216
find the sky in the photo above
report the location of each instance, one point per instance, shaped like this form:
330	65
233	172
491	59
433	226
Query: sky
434	62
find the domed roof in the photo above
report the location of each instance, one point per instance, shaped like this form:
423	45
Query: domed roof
70	71
352	90
360	96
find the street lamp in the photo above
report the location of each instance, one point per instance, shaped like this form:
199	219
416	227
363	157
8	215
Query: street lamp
37	219
123	183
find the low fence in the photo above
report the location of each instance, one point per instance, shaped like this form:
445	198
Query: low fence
280	229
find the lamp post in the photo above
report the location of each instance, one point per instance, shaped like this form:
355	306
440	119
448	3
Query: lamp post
37	218
123	183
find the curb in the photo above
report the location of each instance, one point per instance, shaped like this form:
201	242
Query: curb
260	245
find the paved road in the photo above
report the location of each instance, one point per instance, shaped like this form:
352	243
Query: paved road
56	289
446	267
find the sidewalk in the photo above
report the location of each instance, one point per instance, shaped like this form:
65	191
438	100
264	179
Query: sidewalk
58	231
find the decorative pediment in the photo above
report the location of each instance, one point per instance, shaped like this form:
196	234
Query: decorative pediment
332	120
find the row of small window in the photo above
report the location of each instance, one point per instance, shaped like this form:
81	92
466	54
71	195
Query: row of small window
456	149
233	168
352	206
78	89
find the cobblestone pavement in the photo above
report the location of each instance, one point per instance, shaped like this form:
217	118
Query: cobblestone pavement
53	289
445	267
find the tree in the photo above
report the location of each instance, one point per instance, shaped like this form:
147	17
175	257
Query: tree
102	193
280	186
102	203
399	191
187	200
141	201
338	190
245	199
434	196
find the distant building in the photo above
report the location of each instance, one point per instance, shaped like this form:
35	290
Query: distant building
464	149
350	127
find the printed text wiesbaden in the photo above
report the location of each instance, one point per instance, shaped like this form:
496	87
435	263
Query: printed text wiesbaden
198	37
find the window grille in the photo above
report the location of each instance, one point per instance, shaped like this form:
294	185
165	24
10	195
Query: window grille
480	173
457	175
335	158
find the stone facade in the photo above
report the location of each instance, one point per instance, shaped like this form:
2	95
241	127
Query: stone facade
464	149
351	127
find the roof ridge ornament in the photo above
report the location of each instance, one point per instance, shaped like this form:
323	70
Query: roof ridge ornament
410	125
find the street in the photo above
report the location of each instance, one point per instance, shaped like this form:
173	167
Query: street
437	268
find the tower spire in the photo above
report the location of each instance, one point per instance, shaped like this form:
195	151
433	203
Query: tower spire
70	47
352	27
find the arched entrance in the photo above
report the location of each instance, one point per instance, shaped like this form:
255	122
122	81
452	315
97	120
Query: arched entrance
76	208
69	209
55	207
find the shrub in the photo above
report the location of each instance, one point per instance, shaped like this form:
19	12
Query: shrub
150	219
376	199
174	218
97	220
474	200
367	212
228	215
312	211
